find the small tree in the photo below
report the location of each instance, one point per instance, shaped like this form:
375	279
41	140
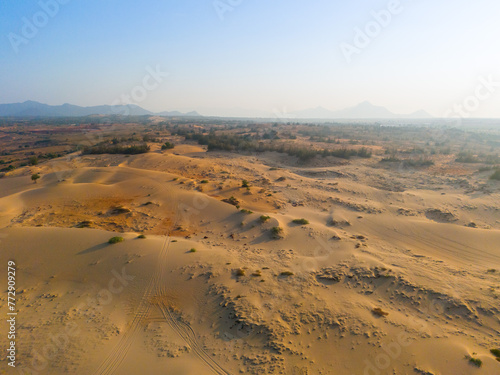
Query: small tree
167	146
496	175
33	160
245	184
34	177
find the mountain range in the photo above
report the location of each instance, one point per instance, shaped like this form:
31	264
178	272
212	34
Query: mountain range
364	110
32	108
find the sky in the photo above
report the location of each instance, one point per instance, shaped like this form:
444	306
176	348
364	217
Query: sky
222	57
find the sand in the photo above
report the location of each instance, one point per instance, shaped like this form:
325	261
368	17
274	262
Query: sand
243	301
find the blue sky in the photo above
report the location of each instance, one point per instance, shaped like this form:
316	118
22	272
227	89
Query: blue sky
266	56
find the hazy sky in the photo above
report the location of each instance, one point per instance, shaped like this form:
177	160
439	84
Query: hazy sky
266	55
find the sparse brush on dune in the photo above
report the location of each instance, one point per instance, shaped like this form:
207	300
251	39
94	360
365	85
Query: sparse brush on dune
277	232
474	361
301	221
114	240
264	218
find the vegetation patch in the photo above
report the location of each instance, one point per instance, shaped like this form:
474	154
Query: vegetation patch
114	240
474	361
232	200
496	175
240	272
301	221
115	149
167	146
118	210
84	224
496	353
277	232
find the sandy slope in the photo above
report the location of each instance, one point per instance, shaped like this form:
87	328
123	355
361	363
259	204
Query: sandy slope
367	245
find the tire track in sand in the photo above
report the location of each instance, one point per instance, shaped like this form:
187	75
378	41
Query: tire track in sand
118	354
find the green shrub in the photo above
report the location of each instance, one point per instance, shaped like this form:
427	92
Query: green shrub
495	352
264	218
474	361
245	184
204	182
277	232
286	273
113	240
141	236
248	212
167	146
301	221
193	250
231	200
496	175
35	177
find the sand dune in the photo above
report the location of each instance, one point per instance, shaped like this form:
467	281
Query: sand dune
244	300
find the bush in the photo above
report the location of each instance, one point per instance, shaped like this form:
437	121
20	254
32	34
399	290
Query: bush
474	361
141	236
204	182
35	177
248	212
264	218
245	184
167	146
495	352
193	250
232	200
33	160
84	224
301	221
286	273
114	240
277	232
496	175
115	149
240	272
